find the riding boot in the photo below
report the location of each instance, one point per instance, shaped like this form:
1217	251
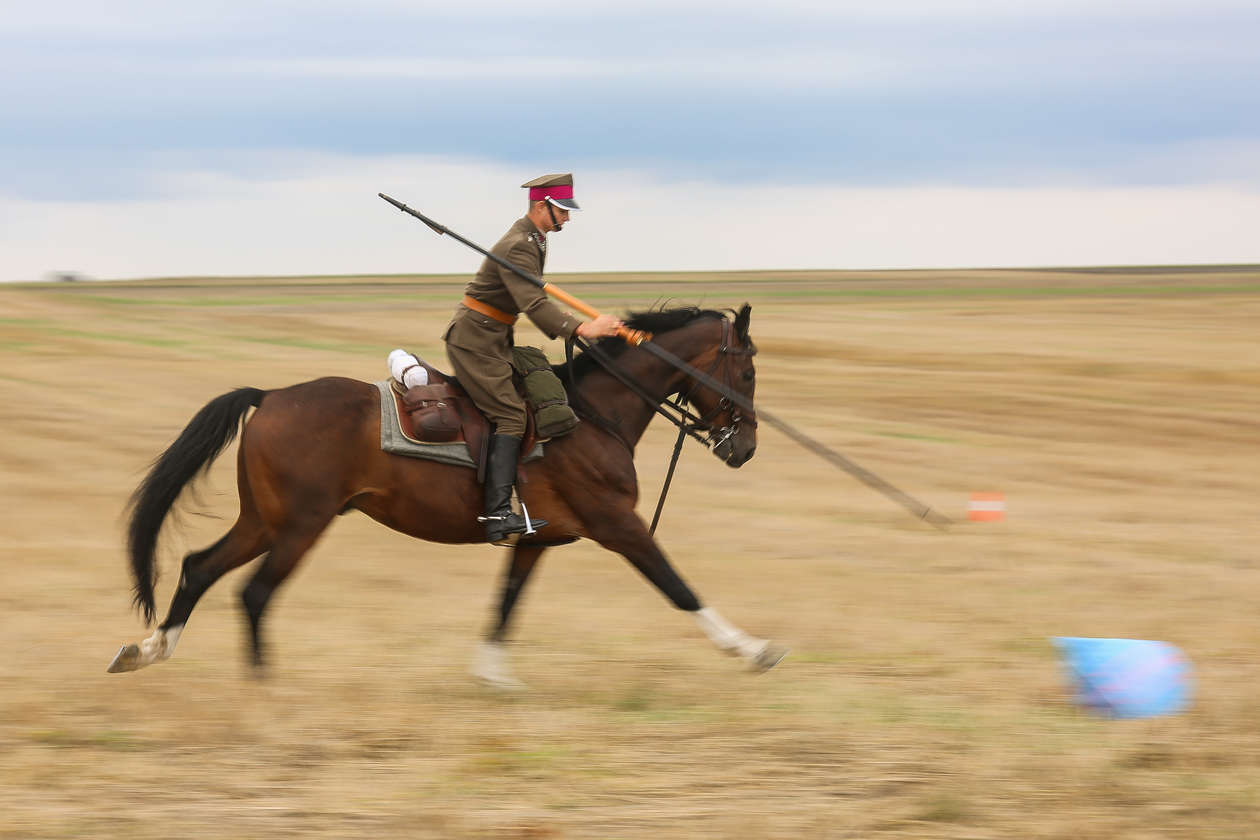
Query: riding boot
500	520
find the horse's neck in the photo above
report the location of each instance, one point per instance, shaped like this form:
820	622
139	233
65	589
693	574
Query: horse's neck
629	411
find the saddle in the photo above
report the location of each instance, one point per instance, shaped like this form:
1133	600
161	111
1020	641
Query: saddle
442	412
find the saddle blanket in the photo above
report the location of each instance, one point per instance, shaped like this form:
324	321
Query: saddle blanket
395	442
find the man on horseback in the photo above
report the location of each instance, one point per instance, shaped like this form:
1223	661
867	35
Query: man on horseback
479	339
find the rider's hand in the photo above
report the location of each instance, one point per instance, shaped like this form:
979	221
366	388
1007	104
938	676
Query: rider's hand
602	326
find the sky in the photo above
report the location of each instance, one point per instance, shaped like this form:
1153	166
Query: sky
150	138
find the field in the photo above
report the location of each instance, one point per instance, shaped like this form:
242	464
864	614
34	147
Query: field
1115	409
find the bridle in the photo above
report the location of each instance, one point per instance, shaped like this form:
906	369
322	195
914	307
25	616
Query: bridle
720	370
687	421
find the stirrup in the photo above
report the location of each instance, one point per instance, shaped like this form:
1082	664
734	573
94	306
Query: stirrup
501	526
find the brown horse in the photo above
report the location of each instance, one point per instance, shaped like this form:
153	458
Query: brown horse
312	451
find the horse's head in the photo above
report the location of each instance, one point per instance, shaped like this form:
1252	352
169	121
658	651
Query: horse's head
732	430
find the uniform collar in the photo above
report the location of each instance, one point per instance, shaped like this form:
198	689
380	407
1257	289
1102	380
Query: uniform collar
532	231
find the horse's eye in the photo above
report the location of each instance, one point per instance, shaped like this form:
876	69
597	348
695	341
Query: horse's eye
749	375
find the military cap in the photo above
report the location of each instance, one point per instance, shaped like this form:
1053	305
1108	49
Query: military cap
554	189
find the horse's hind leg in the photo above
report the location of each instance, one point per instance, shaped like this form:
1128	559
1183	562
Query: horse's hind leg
286	552
201	569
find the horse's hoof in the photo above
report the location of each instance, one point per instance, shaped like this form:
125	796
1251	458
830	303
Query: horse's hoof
499	682
491	668
767	657
128	659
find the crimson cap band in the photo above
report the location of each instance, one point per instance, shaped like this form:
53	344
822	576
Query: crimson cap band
554	189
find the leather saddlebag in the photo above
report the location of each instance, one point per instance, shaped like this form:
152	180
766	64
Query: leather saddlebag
433	414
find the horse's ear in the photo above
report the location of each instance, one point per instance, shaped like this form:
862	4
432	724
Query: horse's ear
741	320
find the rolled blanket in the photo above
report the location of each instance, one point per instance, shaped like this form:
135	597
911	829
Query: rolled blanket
407	369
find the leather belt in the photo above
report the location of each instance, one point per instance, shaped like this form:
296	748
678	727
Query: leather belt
488	310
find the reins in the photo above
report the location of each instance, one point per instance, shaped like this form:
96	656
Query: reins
687	421
669	475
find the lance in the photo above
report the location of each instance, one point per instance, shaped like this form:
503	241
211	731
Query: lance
635	337
642	339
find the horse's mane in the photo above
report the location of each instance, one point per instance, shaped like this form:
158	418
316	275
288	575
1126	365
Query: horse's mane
655	321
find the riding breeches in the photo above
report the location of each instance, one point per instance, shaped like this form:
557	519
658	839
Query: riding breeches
488	380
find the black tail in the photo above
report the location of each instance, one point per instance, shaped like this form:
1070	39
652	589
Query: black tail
206	435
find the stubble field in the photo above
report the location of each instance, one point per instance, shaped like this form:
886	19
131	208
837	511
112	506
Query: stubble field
1116	410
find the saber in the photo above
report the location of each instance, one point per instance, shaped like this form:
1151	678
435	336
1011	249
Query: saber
638	338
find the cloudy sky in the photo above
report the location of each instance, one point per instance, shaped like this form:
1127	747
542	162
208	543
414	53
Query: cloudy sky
147	137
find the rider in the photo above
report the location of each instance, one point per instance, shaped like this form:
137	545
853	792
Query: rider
479	339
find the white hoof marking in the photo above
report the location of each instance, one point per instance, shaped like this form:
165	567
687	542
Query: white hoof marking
760	654
156	648
491	668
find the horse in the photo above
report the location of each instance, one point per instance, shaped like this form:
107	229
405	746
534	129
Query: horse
311	451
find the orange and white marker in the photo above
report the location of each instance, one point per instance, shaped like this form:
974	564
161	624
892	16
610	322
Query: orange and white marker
986	507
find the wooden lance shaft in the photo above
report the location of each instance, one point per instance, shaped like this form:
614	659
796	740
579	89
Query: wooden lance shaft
633	337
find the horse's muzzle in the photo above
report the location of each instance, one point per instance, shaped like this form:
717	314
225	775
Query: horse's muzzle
730	447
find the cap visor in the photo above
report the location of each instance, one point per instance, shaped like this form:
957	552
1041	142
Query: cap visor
564	203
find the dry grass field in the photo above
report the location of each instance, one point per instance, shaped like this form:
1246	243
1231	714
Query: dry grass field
1116	410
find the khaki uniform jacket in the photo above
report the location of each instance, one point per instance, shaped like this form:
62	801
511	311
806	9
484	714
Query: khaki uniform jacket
525	247
480	348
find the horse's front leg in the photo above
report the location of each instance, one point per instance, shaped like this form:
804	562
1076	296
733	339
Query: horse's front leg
628	536
491	665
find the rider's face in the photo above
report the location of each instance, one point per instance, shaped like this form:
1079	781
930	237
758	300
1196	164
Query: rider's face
543	219
561	217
